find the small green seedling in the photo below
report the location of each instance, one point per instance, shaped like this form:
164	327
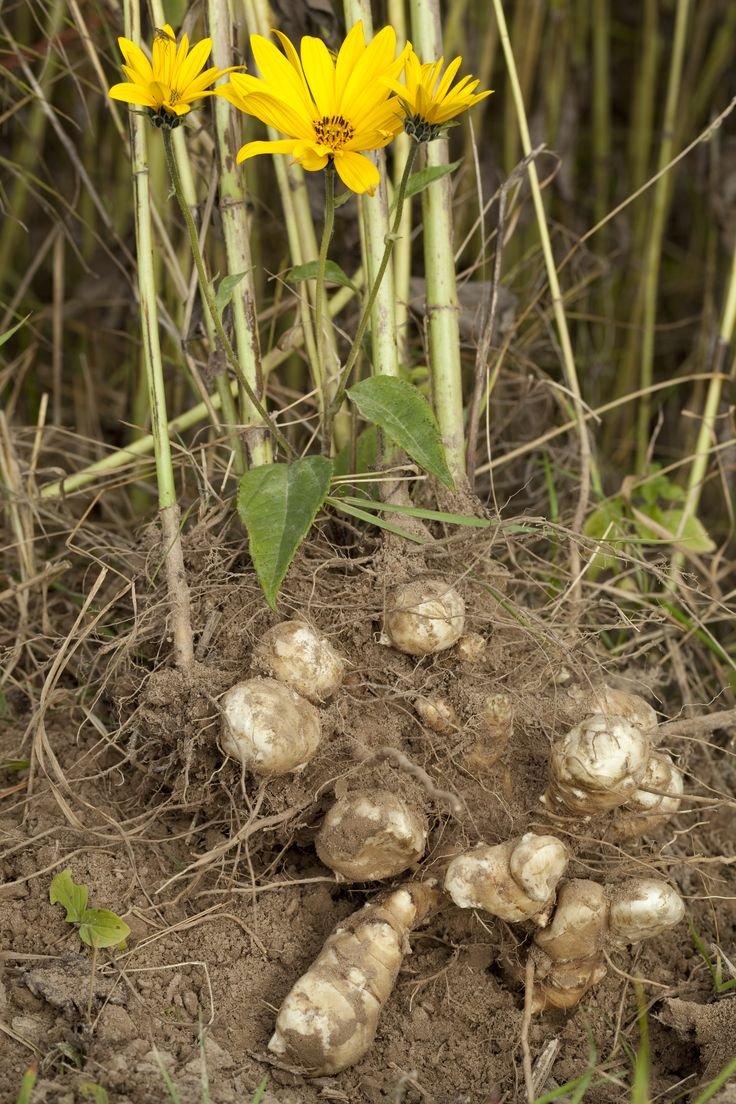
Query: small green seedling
97	927
715	966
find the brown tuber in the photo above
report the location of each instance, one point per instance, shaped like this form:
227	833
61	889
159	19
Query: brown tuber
515	880
293	653
424	616
329	1018
369	836
270	728
437	714
597	765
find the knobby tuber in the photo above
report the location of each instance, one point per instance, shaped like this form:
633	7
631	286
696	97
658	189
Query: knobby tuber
515	880
424	616
437	713
369	836
293	653
597	765
329	1018
270	728
657	798
568	955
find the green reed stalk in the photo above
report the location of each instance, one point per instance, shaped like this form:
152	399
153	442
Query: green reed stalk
707	432
443	309
401	146
169	514
234	218
653	253
205	288
568	359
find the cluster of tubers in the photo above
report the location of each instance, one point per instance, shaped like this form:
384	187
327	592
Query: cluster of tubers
271	724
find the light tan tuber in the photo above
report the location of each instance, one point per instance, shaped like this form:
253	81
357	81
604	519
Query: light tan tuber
329	1018
295	654
597	765
424	616
568	955
515	880
657	798
270	728
369	836
437	714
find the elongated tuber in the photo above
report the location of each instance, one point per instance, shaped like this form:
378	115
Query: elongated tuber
597	765
369	836
424	616
329	1018
515	880
270	728
293	653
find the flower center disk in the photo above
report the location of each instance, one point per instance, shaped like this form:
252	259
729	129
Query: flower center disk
333	131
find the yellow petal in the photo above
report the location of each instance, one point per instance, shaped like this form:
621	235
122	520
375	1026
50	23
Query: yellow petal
310	156
357	172
133	94
376	58
448	78
319	69
278	114
348	57
252	149
194	63
280	75
135	58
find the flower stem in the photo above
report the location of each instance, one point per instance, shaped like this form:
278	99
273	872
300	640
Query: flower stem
320	306
365	317
206	291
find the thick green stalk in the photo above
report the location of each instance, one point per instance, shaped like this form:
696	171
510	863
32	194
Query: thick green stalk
707	431
402	248
234	217
568	359
653	254
321	316
368	306
205	288
168	505
443	309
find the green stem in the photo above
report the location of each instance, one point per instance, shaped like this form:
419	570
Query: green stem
365	317
206	290
320	306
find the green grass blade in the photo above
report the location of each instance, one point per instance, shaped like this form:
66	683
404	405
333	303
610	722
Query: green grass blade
417	511
717	1083
27	1085
372	519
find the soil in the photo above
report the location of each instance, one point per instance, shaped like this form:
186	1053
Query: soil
217	877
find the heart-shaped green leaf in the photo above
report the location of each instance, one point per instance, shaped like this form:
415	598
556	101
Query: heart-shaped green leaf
65	891
102	928
277	504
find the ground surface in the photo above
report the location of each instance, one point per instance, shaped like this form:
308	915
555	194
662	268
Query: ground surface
219	881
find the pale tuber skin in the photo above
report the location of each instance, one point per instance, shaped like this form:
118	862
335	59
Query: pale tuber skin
642	908
270	728
657	798
620	703
471	648
329	1018
423	617
569	954
597	765
293	653
515	880
370	836
437	714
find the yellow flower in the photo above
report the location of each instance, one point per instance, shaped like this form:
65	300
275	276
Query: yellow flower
331	110
173	82
427	98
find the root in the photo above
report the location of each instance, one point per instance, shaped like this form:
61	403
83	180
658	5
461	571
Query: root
405	764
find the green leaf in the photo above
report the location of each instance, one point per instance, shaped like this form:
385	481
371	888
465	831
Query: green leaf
102	928
15	765
309	271
372	519
27	1085
13	329
418	181
420	512
92	1091
366	460
407	418
226	290
693	538
277	504
64	891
